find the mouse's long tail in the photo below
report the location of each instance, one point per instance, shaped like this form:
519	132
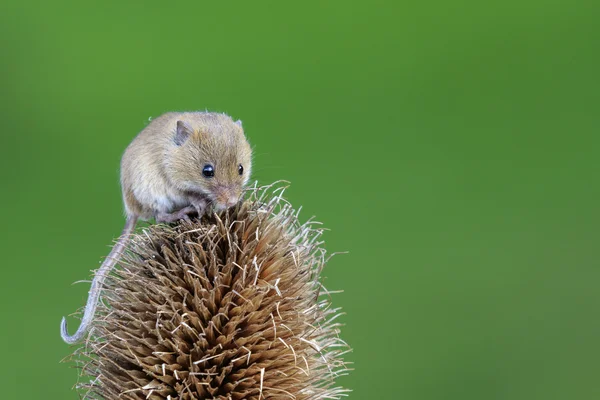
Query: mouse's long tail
97	282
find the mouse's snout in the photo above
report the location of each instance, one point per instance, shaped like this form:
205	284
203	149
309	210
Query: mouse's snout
232	201
227	197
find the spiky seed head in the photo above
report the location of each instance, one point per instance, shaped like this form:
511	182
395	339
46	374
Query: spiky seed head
230	307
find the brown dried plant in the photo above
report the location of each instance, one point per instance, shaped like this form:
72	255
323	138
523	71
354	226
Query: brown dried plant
229	307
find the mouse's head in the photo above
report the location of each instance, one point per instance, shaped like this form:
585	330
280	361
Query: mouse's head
210	156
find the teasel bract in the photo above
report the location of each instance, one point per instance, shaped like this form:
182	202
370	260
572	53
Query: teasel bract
227	307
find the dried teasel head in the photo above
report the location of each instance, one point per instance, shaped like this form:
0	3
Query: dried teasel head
230	307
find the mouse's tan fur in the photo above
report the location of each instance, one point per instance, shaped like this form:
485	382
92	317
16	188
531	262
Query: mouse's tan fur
161	178
158	176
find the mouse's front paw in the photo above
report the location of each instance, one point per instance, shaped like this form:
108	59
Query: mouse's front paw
183	214
200	206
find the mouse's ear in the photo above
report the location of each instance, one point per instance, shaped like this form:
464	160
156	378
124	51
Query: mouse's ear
239	122
183	131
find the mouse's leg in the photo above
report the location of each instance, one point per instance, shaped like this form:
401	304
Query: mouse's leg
176	215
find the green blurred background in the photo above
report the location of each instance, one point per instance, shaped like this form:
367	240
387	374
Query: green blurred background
450	146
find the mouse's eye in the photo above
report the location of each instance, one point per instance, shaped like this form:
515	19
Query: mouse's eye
240	169
208	171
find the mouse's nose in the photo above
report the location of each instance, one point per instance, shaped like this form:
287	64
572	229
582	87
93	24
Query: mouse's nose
232	201
227	197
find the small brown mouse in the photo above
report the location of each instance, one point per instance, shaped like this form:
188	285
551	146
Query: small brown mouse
180	164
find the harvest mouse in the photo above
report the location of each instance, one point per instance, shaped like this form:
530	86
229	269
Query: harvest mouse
180	164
